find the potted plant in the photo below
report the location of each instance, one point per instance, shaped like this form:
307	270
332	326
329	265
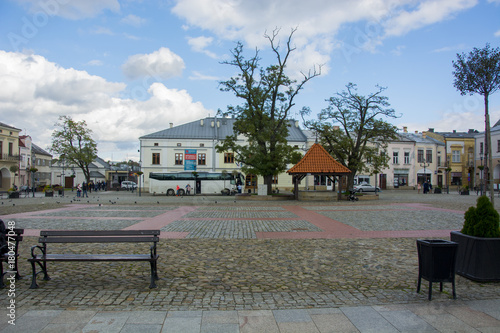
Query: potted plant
13	192
479	243
437	190
464	190
49	191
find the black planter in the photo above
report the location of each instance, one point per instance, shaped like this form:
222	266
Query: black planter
436	262
13	195
464	193
477	257
437	190
49	194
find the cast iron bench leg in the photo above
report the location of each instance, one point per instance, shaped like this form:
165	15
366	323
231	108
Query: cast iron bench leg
2	285
430	290
33	276
153	283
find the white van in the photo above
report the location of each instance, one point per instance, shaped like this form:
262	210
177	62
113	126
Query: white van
128	185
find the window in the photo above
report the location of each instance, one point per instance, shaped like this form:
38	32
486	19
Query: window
178	158
428	156
395	157
439	161
11	149
228	158
179	145
202	145
202	159
407	157
275	180
420	158
481	147
1	148
455	156
156	158
498	146
156	144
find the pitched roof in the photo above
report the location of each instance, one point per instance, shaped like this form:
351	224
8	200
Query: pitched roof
213	128
318	161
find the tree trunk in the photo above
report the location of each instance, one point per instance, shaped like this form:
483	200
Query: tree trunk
487	142
268	180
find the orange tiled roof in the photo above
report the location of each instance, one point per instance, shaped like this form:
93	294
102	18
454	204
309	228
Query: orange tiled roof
317	160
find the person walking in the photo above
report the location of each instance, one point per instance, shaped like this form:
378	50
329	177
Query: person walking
178	189
419	187
188	189
84	190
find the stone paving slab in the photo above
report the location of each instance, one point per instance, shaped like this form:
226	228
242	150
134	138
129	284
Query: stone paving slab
401	220
239	229
240	214
74	224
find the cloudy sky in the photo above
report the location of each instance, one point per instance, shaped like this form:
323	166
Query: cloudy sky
131	67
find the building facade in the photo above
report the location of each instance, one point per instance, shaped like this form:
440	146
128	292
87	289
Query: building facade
481	177
192	147
9	156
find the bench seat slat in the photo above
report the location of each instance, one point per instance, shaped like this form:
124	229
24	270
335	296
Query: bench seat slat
94	257
103	239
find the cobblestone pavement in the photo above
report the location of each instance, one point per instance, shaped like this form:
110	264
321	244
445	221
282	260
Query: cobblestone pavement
217	257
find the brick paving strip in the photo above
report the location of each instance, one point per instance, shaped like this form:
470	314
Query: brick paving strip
338	266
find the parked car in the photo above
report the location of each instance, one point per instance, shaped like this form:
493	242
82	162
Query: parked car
128	185
366	188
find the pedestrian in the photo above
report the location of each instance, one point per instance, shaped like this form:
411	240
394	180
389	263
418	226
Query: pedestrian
84	190
418	188
78	190
178	189
426	187
239	188
188	189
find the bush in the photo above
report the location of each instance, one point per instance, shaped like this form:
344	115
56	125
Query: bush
482	221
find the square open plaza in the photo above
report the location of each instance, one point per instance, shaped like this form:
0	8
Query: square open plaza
229	265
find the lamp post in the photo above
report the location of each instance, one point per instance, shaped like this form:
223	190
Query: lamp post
424	164
62	163
481	168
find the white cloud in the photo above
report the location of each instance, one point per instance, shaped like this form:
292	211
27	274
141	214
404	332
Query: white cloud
36	92
199	76
133	20
497	34
426	13
162	64
102	31
199	44
74	9
95	62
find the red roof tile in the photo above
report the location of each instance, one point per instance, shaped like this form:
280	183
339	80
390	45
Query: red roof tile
317	160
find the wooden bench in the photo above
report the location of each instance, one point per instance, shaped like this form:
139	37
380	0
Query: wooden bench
14	237
93	236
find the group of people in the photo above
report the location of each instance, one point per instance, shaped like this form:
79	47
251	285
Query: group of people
427	187
83	189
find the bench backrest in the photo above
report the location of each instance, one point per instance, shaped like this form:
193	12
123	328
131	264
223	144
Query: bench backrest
98	236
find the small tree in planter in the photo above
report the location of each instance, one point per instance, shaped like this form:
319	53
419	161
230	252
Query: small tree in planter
479	243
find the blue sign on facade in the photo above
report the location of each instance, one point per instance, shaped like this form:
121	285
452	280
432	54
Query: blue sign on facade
190	160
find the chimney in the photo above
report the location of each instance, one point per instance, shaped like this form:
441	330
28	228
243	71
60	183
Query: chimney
454	131
336	128
424	135
431	130
405	129
297	123
416	132
212	123
171	125
201	122
471	130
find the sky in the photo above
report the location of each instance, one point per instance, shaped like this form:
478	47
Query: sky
131	67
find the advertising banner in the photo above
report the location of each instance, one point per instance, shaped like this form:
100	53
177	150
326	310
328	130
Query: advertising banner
190	160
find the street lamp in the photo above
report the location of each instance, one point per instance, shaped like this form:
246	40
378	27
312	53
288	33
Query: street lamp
62	163
481	168
424	165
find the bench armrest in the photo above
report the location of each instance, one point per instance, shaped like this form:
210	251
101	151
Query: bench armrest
41	248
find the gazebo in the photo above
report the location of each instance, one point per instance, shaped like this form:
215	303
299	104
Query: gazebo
317	161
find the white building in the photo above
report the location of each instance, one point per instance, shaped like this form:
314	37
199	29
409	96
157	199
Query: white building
165	151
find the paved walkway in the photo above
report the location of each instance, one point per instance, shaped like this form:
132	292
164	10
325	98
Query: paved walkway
230	266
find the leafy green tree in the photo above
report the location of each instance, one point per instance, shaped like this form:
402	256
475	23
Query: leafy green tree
73	140
263	118
479	73
352	131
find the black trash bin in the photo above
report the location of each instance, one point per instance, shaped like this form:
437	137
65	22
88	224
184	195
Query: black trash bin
436	262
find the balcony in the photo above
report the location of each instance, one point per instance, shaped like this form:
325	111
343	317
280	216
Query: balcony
11	158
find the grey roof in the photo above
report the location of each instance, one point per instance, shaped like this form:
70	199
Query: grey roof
194	130
96	174
419	138
470	134
8	126
38	150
